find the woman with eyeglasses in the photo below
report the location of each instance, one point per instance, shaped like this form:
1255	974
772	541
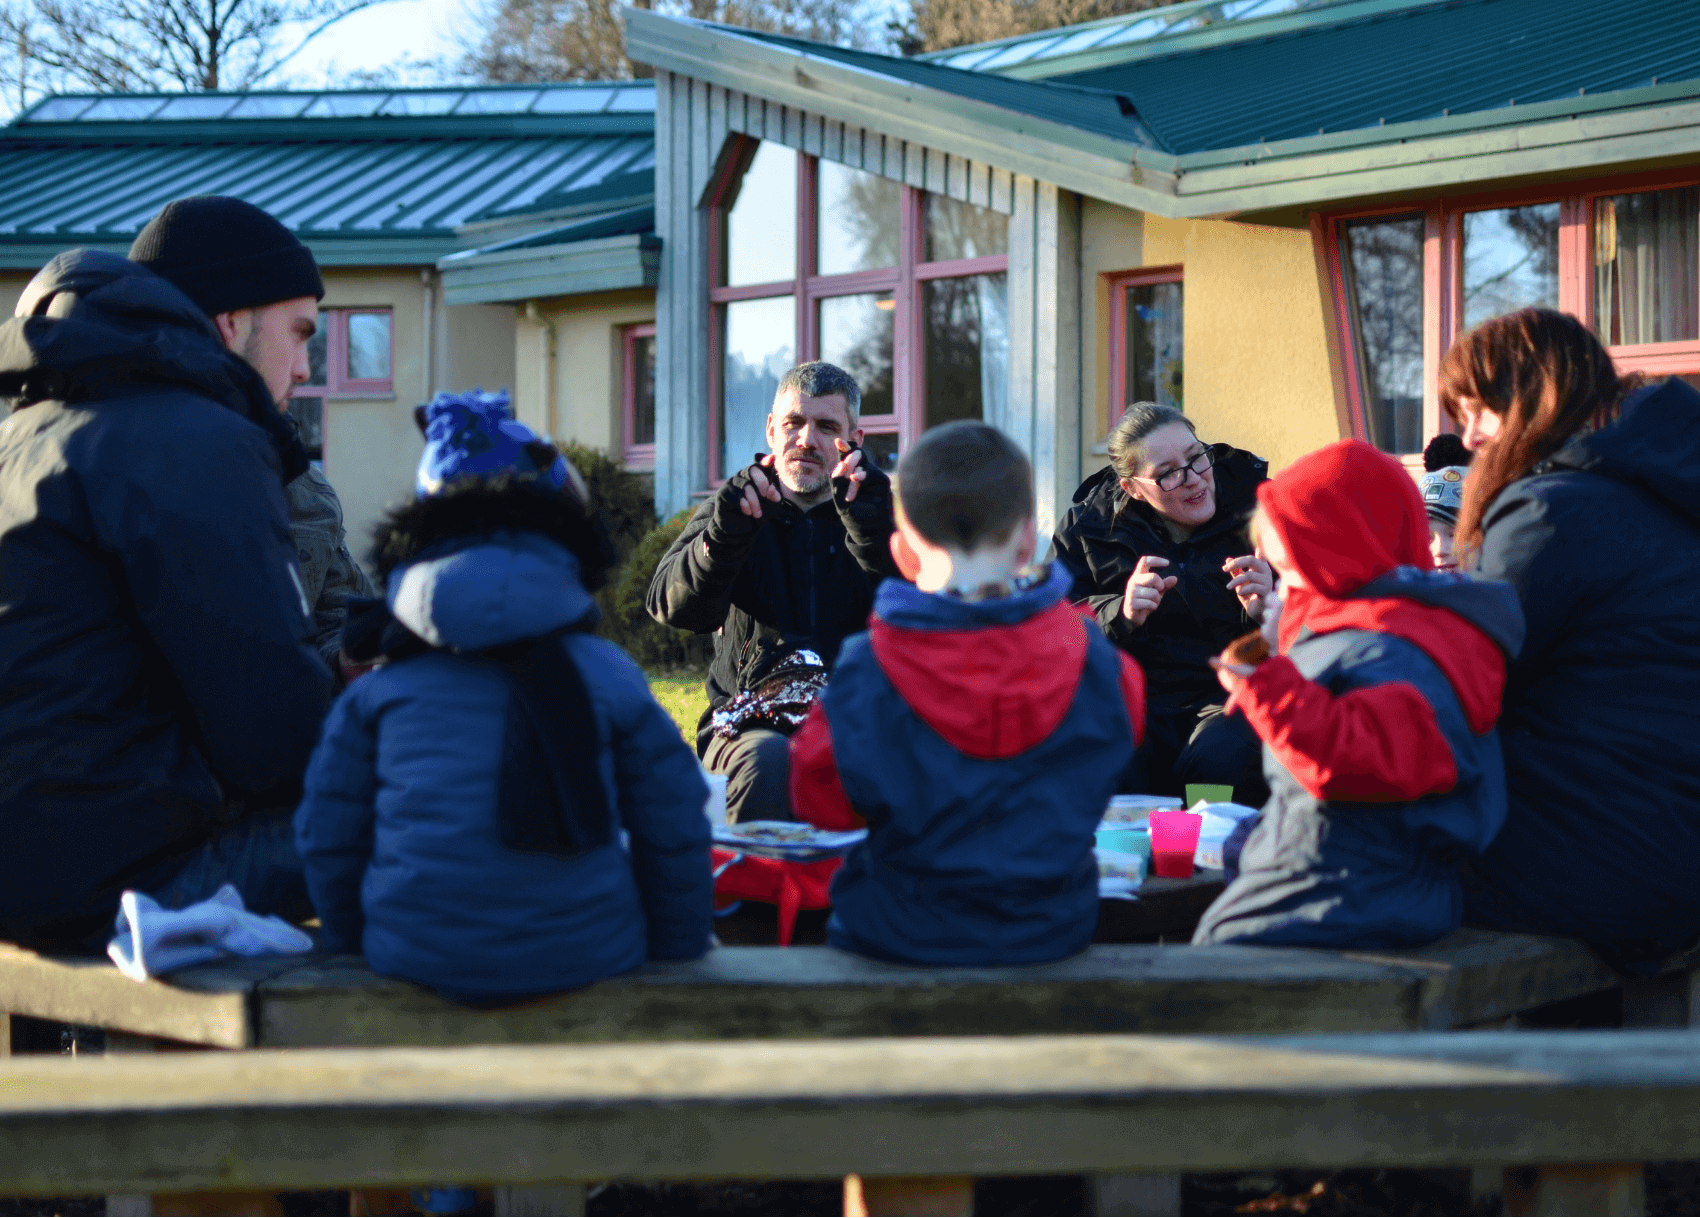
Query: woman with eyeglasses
1584	495
1158	549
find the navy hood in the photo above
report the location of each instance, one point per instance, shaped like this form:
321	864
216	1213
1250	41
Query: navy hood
1653	445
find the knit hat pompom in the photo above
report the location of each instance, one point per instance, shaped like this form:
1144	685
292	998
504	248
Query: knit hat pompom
226	254
475	435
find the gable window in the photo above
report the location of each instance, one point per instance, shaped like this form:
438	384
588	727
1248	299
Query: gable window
904	290
351	355
1623	256
1147	340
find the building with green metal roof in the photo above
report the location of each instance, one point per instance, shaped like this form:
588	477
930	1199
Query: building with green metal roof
384	185
1275	213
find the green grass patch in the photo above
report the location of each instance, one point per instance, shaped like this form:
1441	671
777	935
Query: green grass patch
680	692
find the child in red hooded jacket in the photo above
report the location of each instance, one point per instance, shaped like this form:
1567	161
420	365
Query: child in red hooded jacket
1376	706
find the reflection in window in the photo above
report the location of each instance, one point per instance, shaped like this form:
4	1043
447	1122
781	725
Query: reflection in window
960	230
759	349
1154	345
643	389
859	220
1510	260
368	346
319	350
1646	253
965	357
857	333
1382	263
882	450
761	226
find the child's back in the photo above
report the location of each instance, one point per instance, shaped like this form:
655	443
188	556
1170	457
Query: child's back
979	736
1377	718
453	827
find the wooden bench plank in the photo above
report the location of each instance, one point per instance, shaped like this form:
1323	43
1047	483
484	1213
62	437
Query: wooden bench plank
751	992
798	1109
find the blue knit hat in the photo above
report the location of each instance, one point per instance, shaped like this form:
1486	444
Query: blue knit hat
474	435
1443	493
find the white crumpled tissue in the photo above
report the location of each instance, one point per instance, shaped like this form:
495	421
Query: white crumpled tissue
153	940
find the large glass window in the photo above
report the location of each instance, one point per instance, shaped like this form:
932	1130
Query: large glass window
760	348
350	355
904	290
1382	264
1510	260
1646	257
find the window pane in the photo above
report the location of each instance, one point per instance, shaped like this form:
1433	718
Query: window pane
318	350
961	230
309	416
882	450
761	227
857	333
1382	261
966	349
368	346
1646	256
1154	345
861	215
1510	260
643	389
760	348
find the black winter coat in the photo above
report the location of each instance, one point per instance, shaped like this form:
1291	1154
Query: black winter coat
1102	539
155	657
771	585
1601	738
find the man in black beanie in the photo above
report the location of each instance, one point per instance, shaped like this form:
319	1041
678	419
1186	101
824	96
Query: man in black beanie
159	688
261	287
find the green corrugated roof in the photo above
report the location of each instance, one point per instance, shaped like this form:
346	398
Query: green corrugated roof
366	169
1425	61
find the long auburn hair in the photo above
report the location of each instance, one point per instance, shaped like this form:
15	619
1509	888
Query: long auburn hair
1547	378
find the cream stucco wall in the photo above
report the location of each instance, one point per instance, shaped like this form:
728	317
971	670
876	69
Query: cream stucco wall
583	395
1257	356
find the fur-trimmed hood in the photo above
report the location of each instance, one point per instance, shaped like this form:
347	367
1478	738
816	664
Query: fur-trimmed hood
490	563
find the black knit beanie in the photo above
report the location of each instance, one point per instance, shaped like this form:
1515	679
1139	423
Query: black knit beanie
226	254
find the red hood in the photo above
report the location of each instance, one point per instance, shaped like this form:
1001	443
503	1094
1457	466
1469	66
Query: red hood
1349	513
990	692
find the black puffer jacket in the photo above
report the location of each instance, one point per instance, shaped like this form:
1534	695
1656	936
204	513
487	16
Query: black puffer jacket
154	666
1104	536
769	586
1602	755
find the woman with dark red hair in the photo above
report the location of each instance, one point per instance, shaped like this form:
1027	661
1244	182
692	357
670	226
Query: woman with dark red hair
1585	496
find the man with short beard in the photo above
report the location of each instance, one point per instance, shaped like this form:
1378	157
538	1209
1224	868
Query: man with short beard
781	563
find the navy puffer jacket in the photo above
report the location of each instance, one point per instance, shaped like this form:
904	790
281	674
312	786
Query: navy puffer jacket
399	828
1602	758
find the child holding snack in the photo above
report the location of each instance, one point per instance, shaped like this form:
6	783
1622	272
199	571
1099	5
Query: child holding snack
1375	696
976	729
501	809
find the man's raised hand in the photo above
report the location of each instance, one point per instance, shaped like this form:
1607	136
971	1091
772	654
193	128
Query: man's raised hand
1145	589
762	485
849	466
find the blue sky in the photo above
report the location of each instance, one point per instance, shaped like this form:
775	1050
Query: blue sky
375	38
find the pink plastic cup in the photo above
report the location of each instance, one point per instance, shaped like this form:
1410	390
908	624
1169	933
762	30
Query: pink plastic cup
1174	840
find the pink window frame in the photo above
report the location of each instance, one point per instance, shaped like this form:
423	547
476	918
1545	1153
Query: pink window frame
637	456
337	383
808	289
1443	280
1118	282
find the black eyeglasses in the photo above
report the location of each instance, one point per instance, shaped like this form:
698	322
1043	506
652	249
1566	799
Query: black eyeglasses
1169	479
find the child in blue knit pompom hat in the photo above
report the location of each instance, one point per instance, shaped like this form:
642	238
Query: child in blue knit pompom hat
502	809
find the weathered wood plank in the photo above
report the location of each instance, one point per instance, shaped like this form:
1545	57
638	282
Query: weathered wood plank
954	1106
749	992
209	1009
1477	975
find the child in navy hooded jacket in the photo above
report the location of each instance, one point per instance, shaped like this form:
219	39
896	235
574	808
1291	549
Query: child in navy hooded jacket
501	809
1377	716
976	729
